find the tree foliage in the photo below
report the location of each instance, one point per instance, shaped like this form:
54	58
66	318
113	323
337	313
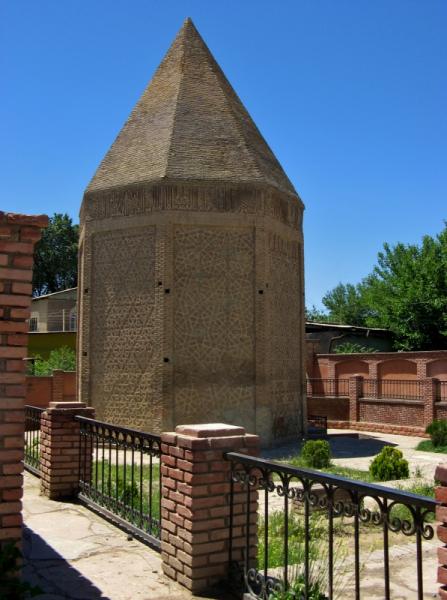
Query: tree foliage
63	358
56	256
405	293
345	304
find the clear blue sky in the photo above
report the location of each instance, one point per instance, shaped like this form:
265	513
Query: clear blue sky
351	96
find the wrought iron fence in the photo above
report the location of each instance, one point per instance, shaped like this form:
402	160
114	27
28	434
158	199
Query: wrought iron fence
310	527
441	391
119	476
405	389
32	439
328	387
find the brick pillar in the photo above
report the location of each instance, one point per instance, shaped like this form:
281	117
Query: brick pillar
355	391
429	400
18	234
196	502
441	515
57	392
60	448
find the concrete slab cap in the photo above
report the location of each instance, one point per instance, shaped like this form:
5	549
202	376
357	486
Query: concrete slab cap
68	405
203	430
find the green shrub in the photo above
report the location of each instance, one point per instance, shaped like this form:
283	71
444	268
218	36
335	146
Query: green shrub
316	454
438	432
63	358
389	464
353	348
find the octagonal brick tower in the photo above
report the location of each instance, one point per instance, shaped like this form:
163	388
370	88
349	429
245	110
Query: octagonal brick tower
191	264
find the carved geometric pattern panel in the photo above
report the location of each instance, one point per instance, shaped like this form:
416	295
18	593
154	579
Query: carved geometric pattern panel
284	342
122	328
214	345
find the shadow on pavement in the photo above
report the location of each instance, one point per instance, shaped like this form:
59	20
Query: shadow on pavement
342	446
47	569
347	447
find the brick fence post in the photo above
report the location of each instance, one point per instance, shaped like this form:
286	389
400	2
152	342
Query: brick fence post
441	515
196	503
60	448
57	390
429	387
355	392
18	234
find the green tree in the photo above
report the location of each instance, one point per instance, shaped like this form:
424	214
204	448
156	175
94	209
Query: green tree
315	315
405	293
63	358
56	256
346	305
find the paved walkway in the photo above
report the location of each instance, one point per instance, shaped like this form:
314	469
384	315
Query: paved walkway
358	453
73	554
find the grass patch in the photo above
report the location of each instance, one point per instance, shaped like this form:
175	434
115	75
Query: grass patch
133	494
420	488
427	446
356	474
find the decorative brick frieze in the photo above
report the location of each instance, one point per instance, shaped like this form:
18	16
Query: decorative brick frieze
60	448
18	233
195	514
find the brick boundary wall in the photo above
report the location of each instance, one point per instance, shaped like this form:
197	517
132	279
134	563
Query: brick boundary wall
395	416
60	449
196	503
60	386
18	234
441	516
378	428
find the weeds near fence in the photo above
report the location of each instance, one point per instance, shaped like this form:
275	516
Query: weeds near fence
135	490
318	553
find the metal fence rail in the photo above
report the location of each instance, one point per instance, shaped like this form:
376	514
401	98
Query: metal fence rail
299	544
405	389
328	387
120	476
31	459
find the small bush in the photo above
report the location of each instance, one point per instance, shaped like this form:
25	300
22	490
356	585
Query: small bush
63	358
316	454
438	432
389	464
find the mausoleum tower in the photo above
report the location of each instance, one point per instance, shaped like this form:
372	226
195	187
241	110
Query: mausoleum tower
191	264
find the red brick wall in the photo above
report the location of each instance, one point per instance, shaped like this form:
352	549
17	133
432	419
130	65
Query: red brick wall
348	368
334	408
18	234
391	365
40	390
404	413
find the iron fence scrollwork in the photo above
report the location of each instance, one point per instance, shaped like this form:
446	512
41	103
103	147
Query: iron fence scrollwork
309	500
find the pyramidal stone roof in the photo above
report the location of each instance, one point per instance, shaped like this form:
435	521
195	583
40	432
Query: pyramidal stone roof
189	126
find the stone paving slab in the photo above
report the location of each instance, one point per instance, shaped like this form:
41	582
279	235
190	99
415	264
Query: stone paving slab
73	554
